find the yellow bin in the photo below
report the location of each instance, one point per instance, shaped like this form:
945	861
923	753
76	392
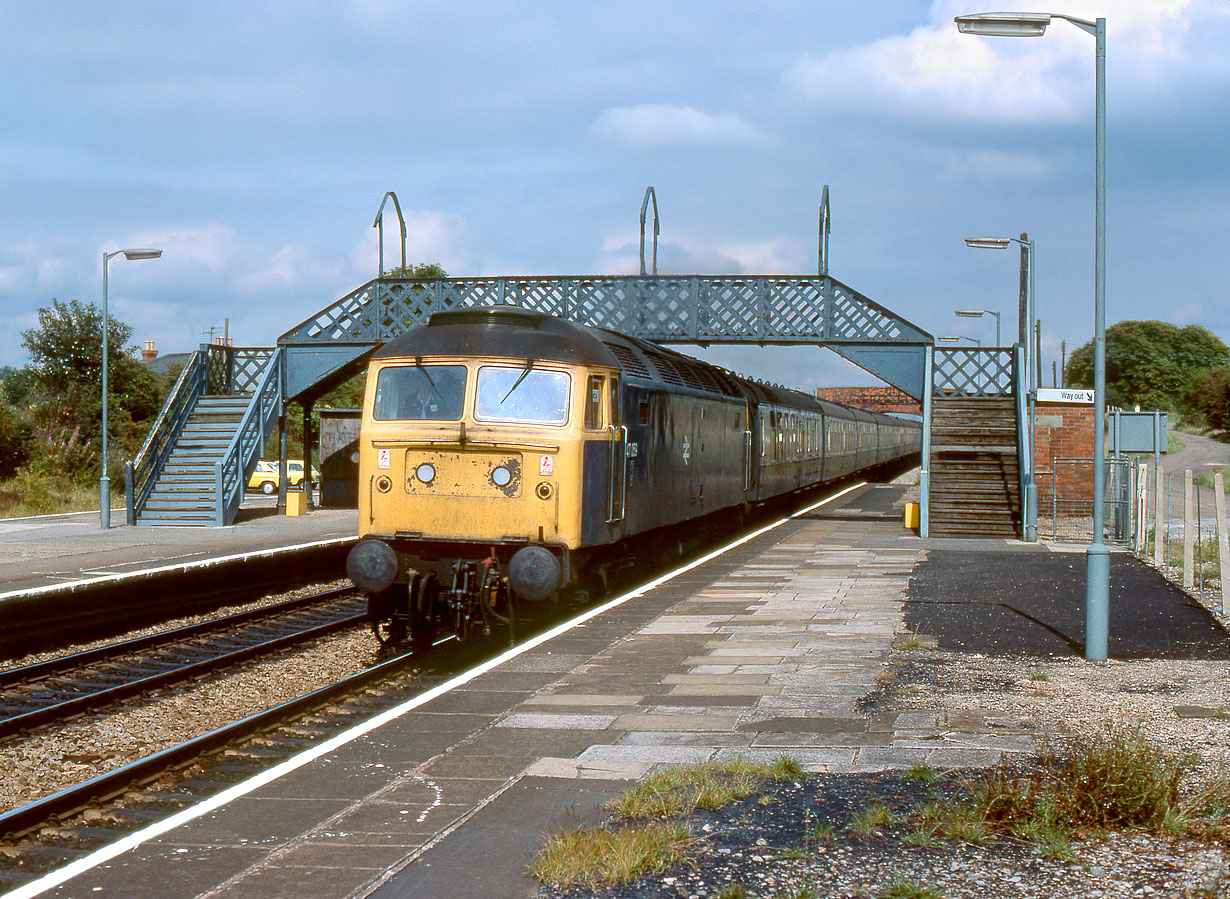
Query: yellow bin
296	503
910	516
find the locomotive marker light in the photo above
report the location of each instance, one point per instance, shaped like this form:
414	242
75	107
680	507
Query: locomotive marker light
104	483
1026	317
1097	559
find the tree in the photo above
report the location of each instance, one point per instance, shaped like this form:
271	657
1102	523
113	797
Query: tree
1150	363
425	271
64	394
1209	397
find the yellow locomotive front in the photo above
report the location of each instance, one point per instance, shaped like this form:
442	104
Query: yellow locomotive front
467	450
472	458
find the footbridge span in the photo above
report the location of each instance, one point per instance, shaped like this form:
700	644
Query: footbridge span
196	461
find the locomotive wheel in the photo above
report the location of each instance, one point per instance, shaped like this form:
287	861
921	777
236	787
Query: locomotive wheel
388	622
424	593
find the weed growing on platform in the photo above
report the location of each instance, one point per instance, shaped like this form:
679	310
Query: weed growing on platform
1117	781
597	855
905	888
635	843
706	785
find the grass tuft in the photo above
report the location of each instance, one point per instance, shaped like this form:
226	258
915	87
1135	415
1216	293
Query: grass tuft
595	855
706	785
905	888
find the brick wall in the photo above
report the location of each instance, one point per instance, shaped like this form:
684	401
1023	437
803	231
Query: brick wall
873	399
1064	432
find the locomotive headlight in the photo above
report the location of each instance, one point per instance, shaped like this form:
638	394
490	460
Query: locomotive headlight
425	472
500	476
384	484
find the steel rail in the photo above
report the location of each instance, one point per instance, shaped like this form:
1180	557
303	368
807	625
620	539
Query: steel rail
57	806
97	698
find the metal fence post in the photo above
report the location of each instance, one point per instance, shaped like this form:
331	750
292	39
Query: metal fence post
1157	515
1223	544
1188	510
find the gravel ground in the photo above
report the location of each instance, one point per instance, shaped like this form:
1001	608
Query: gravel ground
46	761
762	847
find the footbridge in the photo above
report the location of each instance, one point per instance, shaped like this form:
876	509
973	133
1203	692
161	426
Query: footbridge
198	457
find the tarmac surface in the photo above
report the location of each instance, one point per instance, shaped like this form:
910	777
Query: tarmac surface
764	650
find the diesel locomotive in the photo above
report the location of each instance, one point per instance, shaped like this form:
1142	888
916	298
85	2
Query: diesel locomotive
509	455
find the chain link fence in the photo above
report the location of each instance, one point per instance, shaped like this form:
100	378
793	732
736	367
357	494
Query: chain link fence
1170	519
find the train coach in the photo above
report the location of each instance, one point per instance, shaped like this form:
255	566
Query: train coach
510	455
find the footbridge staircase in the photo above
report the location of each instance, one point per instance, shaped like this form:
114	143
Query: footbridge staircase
198	456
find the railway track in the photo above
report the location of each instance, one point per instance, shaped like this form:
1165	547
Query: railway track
45	693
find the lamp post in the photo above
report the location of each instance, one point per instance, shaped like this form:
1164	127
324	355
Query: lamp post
1026	325
979	313
104	483
1097	559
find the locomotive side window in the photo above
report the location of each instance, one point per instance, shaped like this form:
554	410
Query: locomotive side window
528	395
593	401
420	393
614	404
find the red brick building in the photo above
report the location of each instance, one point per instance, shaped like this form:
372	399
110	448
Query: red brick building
1063	450
873	399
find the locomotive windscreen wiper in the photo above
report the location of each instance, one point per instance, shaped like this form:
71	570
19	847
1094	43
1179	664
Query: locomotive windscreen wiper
525	373
418	363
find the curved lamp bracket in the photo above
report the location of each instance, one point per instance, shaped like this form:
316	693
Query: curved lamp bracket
649	195
379	225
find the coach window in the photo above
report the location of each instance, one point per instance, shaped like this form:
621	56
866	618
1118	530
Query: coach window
593	401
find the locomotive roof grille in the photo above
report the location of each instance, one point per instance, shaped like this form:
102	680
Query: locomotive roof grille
630	361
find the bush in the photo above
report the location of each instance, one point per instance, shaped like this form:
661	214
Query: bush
16	441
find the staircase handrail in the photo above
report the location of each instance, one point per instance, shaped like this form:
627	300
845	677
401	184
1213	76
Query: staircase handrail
1024	456
249	440
141	472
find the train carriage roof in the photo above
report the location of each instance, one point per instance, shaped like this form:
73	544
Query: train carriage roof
502	332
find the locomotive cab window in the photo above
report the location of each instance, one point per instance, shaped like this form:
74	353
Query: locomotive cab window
593	401
523	395
614	404
420	393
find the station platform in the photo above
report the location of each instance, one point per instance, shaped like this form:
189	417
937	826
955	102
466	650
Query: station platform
766	647
53	552
62	577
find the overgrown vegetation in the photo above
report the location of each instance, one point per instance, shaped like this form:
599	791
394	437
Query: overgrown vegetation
51	410
1113	782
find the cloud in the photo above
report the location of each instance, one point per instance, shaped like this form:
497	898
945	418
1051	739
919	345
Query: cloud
657	125
934	71
620	254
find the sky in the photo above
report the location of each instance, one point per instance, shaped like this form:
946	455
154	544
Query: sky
254	141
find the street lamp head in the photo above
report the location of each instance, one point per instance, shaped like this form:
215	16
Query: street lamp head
1004	24
141	253
971	313
988	243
